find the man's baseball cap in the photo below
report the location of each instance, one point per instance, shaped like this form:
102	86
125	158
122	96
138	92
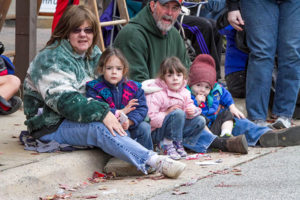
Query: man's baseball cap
166	1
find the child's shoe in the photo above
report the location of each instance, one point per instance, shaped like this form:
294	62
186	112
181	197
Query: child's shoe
169	150
180	149
169	167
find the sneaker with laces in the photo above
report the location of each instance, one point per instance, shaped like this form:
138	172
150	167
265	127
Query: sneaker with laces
281	122
170	150
180	149
169	167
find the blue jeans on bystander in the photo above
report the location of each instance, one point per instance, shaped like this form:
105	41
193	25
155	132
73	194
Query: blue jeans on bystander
272	27
96	134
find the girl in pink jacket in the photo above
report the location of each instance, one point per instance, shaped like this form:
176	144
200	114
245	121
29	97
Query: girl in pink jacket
174	118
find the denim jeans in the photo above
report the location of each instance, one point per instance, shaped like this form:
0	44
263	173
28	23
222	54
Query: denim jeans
177	128
272	26
242	126
96	134
252	131
142	134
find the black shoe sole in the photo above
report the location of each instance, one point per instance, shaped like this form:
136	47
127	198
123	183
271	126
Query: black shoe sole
285	137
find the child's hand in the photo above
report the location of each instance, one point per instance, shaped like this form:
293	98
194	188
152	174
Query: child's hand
190	111
125	125
130	106
172	108
236	112
200	98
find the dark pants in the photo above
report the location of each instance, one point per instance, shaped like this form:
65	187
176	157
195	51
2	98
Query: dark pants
236	84
222	117
204	37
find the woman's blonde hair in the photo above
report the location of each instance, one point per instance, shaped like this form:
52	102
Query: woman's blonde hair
107	54
171	65
73	17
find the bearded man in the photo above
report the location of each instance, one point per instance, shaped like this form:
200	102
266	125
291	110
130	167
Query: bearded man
150	37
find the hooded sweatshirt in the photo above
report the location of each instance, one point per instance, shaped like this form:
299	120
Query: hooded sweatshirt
145	47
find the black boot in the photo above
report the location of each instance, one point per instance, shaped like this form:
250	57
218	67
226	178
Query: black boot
236	144
283	137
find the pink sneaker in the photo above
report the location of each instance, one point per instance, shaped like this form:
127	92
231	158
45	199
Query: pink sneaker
180	149
170	150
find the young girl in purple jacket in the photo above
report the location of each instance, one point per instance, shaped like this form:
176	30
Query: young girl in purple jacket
125	97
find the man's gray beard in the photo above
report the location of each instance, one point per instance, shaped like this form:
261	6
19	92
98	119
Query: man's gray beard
164	28
160	25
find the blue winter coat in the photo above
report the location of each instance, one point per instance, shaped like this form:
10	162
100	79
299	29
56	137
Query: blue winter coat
118	97
218	99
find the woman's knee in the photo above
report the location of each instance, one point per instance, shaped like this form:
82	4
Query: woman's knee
13	82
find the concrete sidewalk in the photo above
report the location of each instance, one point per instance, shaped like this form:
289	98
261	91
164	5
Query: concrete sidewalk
29	175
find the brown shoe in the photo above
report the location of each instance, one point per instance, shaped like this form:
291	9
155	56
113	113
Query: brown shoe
284	137
237	144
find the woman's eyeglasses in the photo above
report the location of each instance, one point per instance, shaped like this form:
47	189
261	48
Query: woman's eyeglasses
86	30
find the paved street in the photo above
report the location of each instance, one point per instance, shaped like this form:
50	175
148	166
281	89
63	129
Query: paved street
273	176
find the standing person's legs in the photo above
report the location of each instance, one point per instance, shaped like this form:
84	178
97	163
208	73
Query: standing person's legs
261	25
142	134
288	76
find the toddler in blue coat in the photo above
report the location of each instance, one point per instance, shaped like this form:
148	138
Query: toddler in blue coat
125	97
224	119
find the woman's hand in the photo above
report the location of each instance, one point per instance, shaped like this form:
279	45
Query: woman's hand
130	106
235	19
113	124
236	112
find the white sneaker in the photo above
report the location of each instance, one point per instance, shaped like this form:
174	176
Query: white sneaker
282	122
169	167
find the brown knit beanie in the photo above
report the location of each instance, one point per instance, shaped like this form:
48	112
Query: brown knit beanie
203	69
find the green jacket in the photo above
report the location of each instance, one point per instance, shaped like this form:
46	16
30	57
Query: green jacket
145	47
54	88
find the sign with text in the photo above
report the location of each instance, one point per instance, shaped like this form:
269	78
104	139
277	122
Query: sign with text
48	6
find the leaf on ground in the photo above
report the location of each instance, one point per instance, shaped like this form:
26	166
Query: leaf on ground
103	188
178	193
238	174
90	197
236	169
224	185
35	154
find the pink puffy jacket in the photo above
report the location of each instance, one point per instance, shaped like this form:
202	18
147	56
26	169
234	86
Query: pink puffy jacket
159	101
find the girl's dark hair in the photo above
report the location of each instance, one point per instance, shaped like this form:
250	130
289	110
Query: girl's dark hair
107	54
73	17
171	65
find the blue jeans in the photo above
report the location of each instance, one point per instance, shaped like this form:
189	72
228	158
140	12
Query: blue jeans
242	126
252	131
142	134
96	134
272	28
177	128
